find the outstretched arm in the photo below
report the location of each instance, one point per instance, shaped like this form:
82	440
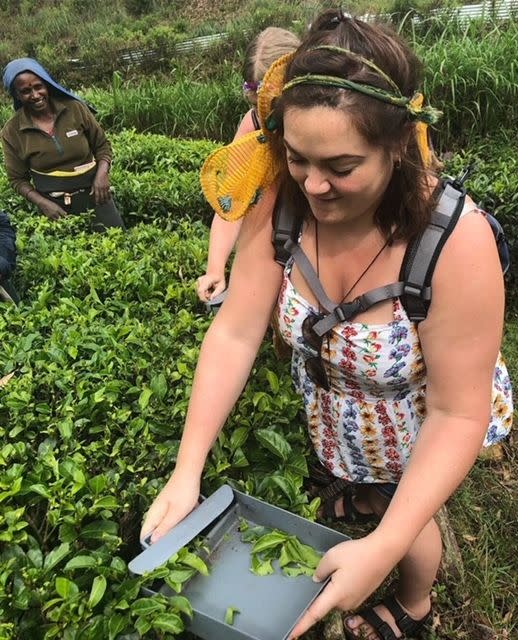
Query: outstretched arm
226	358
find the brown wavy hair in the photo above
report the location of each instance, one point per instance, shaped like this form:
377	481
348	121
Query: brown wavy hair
406	205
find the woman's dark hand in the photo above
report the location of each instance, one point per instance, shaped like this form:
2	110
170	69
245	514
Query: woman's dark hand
101	187
52	210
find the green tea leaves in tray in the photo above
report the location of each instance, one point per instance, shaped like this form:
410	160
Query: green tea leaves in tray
229	615
181	568
294	557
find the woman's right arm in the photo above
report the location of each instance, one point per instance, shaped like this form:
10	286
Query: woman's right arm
19	179
223	237
226	358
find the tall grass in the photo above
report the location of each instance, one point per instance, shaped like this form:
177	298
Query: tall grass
183	108
472	76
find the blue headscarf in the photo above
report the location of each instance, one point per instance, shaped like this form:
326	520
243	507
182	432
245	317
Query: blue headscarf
20	65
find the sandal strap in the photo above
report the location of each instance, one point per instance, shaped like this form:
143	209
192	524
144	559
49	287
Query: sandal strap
406	624
330	495
352	513
334	489
381	627
328	508
350	509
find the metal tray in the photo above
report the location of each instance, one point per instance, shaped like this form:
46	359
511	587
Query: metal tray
269	606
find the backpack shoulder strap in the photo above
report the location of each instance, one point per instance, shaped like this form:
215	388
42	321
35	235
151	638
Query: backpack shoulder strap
285	227
414	285
422	254
255	120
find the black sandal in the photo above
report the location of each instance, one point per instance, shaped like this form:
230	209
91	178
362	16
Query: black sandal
351	513
409	627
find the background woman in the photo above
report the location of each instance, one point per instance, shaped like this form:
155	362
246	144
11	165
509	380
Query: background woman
56	154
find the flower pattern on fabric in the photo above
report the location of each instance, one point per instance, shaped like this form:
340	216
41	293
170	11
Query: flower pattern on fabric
363	429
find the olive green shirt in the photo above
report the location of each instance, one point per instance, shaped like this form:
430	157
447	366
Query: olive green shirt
78	138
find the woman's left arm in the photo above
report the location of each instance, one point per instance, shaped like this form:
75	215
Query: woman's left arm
460	340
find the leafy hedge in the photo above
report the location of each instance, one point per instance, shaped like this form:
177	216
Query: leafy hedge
156	179
103	350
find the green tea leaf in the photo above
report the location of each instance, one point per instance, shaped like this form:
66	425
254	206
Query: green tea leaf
99	530
169	622
238	437
239	460
81	562
158	385
260	566
146	606
274	442
273	381
66	587
182	604
194	561
116	625
107	502
180	574
272	539
97	591
41	490
144	398
252	534
303	553
230	613
297	570
142	626
56	556
297	463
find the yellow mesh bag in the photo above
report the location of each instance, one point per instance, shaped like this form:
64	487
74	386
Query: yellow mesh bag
271	87
233	178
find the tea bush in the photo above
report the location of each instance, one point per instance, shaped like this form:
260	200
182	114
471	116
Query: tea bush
156	180
102	351
151	152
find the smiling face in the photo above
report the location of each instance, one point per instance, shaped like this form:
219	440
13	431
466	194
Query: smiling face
342	176
32	92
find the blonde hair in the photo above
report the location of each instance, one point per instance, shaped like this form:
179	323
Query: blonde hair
267	46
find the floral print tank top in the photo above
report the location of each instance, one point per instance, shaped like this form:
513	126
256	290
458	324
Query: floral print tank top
364	427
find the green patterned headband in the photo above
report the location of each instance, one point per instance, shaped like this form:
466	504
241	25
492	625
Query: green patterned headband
428	114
